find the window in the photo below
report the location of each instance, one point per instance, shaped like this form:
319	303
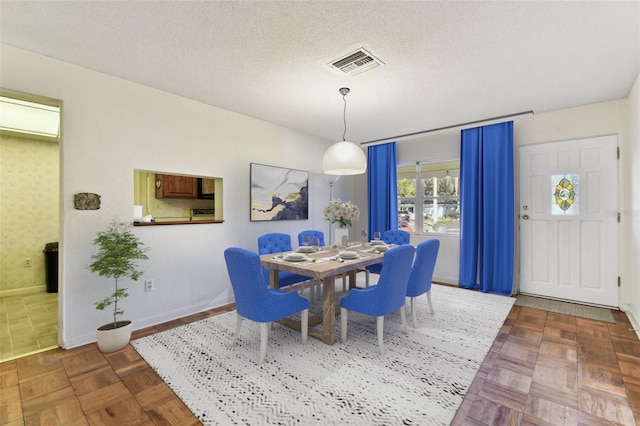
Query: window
428	197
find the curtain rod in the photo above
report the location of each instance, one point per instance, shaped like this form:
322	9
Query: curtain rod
502	117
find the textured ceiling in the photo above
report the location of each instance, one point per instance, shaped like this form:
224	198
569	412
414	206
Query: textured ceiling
445	62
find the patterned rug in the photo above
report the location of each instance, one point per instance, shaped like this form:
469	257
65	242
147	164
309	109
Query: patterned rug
422	378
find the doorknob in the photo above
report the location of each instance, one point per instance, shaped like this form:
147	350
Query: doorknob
525	217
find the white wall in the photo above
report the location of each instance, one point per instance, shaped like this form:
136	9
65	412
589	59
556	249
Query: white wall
630	209
111	127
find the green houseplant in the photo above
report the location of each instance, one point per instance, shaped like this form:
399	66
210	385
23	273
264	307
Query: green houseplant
118	251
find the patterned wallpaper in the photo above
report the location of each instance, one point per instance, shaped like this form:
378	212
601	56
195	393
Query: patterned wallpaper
29	210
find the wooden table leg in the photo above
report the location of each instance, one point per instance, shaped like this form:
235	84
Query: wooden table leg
352	279
328	333
274	278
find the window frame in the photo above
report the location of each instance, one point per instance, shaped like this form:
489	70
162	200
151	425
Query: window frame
452	167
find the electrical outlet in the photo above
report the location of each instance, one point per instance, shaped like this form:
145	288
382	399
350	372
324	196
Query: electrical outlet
149	285
28	263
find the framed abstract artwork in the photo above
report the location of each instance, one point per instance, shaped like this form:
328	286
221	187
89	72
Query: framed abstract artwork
278	193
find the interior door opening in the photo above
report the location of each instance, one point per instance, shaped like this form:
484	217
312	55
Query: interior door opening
30	210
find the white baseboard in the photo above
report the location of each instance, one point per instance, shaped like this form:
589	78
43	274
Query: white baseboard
446	280
150	321
23	290
635	322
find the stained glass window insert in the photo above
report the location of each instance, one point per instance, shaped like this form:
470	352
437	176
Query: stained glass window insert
564	194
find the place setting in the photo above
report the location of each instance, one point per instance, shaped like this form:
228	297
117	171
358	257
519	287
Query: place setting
377	245
294	257
345	256
380	248
309	245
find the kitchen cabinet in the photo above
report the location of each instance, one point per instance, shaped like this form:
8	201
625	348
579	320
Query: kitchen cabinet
171	186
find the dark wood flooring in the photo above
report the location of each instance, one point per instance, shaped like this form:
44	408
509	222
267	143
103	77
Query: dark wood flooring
543	369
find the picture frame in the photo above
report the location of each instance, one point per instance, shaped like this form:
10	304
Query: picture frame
278	193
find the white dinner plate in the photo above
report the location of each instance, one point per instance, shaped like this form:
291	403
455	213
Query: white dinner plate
305	249
377	243
348	254
295	257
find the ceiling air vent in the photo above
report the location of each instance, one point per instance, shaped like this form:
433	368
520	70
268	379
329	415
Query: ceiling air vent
356	62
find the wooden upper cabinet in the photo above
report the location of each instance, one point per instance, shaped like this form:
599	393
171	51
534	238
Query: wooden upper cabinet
171	186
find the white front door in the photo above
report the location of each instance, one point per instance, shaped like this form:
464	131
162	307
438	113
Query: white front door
568	220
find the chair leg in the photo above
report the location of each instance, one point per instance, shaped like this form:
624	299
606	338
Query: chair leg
343	324
366	279
429	299
380	324
264	337
304	316
238	324
404	319
413	311
344	282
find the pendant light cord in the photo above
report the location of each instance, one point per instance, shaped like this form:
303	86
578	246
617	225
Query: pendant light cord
344	117
344	91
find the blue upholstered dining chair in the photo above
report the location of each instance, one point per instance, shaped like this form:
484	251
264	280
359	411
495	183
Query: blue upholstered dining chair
277	243
388	296
422	273
256	301
391	236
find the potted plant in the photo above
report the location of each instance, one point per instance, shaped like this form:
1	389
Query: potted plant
118	250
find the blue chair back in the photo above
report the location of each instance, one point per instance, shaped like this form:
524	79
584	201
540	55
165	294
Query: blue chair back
254	299
247	280
423	266
312	234
396	236
274	243
389	294
392	236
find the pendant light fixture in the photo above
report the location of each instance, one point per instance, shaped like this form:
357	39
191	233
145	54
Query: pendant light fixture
344	158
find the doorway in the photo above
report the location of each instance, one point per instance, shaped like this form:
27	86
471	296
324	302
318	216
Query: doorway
568	220
30	211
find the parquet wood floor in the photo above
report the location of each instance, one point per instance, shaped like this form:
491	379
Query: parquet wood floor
543	369
546	368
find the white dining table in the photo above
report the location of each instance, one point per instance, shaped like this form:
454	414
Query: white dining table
324	265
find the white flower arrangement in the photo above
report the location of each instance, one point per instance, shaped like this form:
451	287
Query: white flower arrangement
342	212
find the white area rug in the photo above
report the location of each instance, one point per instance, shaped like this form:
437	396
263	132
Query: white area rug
421	379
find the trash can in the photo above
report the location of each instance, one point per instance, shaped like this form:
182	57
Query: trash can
51	266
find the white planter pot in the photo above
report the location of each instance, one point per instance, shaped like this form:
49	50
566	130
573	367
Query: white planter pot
113	339
338	233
